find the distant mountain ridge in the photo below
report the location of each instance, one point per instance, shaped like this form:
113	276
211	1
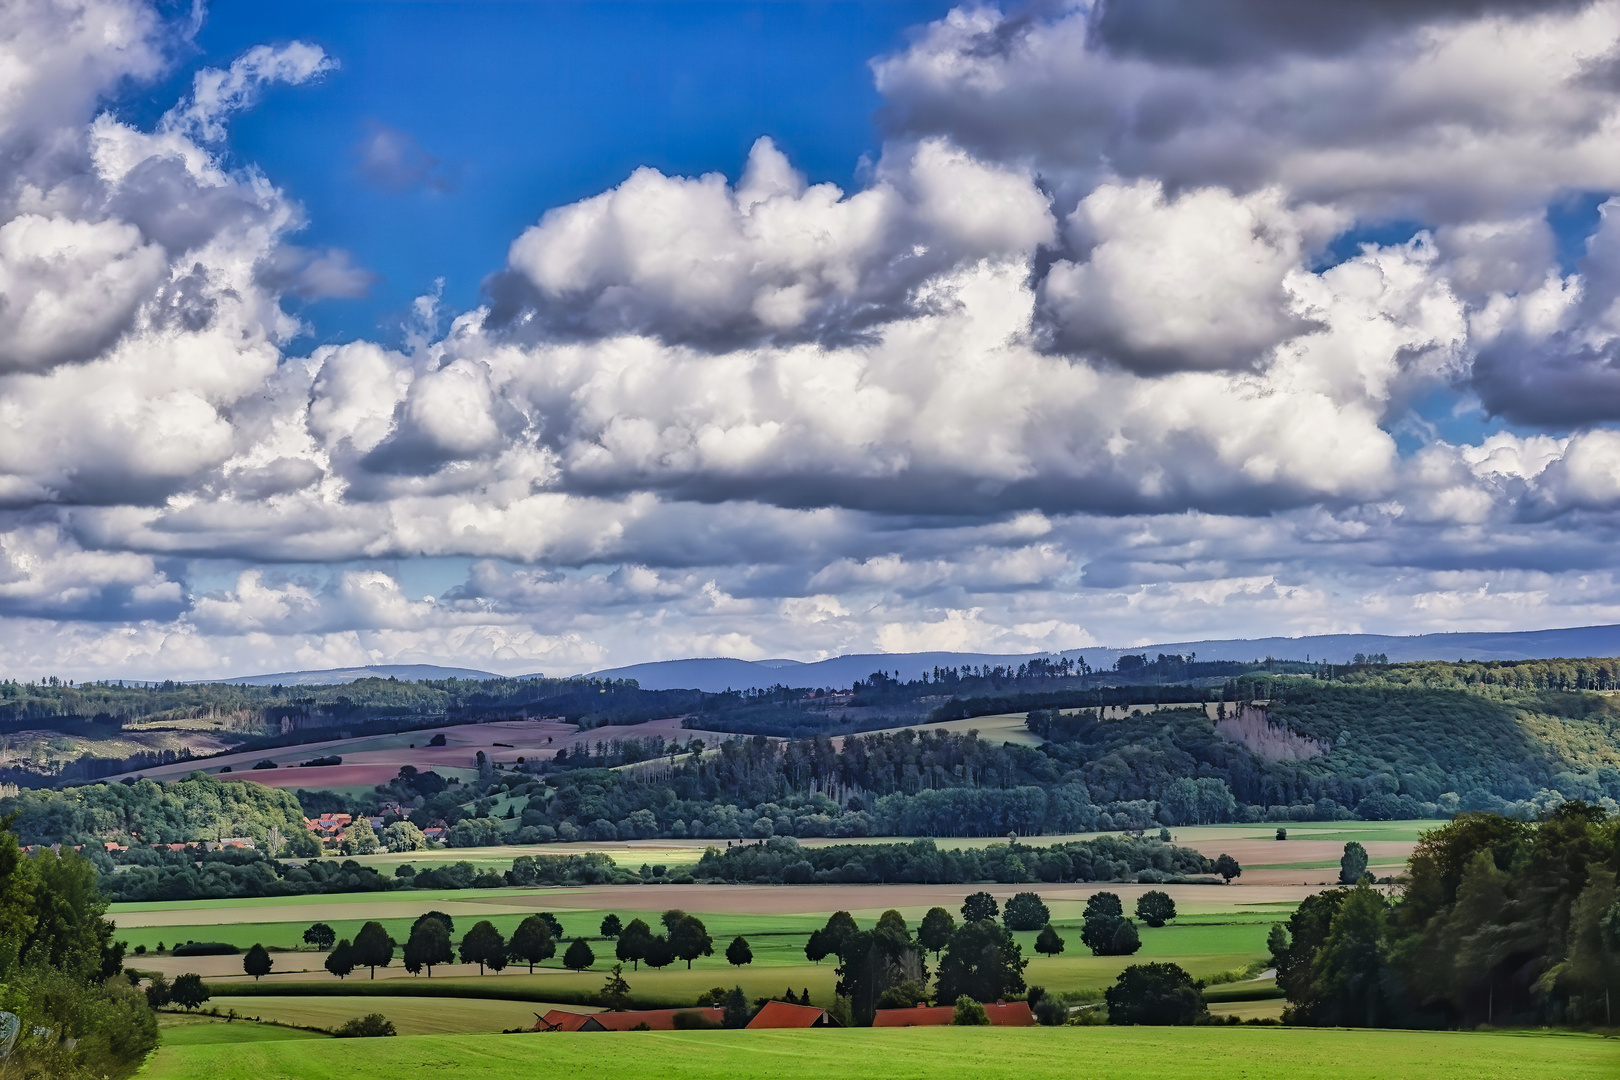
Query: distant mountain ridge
718	674
715	674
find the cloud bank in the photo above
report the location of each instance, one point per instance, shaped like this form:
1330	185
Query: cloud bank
1093	355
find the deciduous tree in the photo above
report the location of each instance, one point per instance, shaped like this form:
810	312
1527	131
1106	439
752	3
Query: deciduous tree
578	957
257	962
532	942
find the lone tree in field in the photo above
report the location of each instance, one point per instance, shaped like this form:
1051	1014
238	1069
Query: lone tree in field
738	953
611	926
690	939
556	927
340	961
373	948
633	942
1228	868
428	945
532	942
936	929
257	962
321	936
1155	908
1352	864
615	994
1161	994
579	956
1050	941
980	906
189	991
482	944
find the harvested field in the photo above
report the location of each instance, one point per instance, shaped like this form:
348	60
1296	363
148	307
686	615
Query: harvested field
411	1016
376	759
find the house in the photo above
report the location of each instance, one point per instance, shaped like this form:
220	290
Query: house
1001	1014
113	845
437	832
782	1014
237	842
653	1019
561	1020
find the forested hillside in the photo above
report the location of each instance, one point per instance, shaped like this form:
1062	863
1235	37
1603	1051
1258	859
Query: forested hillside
1376	742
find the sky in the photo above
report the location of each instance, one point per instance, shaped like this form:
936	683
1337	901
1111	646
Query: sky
547	337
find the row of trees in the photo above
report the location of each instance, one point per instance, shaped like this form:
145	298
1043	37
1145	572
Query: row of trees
431	942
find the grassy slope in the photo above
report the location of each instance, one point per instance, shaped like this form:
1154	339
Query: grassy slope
981	1053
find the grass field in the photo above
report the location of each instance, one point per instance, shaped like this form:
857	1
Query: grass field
211	1031
1206	944
982	1053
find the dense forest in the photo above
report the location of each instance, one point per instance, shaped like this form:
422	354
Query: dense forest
1501	922
1374	748
1375	741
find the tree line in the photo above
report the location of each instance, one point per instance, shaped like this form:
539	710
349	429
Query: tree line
61	972
1500	922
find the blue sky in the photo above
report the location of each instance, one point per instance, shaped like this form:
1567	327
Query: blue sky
528	105
795	329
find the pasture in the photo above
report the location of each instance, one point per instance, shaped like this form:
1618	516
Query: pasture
1221	929
1107	1053
1310	845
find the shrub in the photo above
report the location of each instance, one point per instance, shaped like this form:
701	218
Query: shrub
206	948
969	1013
692	1020
369	1026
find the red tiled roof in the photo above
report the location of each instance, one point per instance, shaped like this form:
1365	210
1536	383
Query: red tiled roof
781	1014
560	1020
1005	1014
655	1019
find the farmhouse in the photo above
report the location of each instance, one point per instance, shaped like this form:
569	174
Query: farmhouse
781	1014
653	1019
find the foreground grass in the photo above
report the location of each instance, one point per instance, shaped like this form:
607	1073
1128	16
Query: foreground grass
982	1053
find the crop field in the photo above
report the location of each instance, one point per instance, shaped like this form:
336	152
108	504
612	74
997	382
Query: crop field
376	759
411	1015
1317	843
982	1053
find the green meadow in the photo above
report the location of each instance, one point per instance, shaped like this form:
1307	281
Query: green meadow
1098	1053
